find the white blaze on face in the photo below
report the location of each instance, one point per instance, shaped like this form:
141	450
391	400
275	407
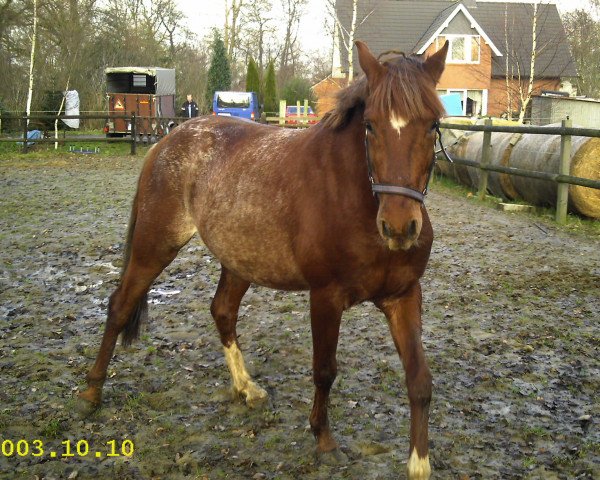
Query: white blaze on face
418	468
397	122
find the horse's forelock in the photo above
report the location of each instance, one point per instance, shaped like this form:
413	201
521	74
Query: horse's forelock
405	91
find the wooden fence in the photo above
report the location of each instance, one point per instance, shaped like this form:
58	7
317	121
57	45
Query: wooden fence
301	120
133	140
562	177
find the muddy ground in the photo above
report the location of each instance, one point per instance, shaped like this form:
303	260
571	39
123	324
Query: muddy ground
511	330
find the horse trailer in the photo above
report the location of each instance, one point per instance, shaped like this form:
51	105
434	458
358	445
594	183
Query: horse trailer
147	92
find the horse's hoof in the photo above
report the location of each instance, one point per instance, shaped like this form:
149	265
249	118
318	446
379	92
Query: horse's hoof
332	458
87	403
255	396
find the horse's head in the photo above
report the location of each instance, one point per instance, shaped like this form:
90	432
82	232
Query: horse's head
402	109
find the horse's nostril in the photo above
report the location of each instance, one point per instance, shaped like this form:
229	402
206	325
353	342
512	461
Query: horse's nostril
387	231
411	230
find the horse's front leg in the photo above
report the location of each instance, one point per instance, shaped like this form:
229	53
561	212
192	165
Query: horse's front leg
404	318
325	313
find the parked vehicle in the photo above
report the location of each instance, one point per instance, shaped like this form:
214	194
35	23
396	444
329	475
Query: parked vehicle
237	104
291	111
149	92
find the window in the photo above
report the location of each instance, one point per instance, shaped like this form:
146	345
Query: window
233	100
473	102
139	80
462	48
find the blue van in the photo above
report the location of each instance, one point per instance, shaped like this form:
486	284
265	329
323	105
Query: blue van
237	104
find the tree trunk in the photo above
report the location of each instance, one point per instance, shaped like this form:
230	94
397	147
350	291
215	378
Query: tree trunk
508	77
526	98
351	42
32	59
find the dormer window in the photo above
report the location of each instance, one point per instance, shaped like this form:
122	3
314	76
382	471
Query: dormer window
463	48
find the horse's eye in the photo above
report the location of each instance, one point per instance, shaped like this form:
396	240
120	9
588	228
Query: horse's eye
369	126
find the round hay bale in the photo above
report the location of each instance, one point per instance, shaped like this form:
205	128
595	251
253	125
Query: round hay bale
461	172
469	147
539	153
499	184
442	167
500	152
473	147
585	163
505	180
452	140
449	139
542	153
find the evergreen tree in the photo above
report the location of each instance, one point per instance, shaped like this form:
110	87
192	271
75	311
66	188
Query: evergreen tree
271	103
253	78
219	73
296	89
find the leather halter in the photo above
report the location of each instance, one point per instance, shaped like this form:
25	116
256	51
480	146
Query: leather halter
417	195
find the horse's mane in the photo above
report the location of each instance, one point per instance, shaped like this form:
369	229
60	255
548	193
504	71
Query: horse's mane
405	90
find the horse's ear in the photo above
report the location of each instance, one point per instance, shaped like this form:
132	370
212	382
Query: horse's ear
435	64
368	62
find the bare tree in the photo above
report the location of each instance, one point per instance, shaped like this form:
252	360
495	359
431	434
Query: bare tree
288	57
508	67
32	58
170	18
525	93
260	32
583	31
233	10
347	32
530	59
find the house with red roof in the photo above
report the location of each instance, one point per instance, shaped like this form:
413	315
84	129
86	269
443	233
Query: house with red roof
490	55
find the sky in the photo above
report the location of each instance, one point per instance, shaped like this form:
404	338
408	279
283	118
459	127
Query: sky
203	15
207	14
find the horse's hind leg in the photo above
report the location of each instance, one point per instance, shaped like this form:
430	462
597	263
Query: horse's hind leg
153	246
224	309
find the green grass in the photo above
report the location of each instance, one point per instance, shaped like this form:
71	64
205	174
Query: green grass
133	403
537	432
47	151
52	429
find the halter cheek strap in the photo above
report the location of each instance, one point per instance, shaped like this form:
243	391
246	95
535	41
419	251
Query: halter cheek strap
379	188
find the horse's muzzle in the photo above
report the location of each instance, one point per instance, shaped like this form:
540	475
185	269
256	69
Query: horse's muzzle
403	239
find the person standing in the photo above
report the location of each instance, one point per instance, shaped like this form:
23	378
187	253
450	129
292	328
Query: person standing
189	108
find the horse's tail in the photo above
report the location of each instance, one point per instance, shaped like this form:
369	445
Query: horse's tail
139	315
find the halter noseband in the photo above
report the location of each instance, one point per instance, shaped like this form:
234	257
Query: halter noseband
405	191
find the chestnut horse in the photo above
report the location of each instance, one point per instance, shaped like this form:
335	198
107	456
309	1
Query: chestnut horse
296	210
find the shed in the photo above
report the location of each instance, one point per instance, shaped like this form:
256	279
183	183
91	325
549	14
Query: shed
547	109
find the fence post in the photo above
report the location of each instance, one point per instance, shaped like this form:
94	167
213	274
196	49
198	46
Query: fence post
305	113
25	125
486	151
564	168
282	106
133	135
298	121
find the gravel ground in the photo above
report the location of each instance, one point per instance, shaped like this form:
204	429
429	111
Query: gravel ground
511	330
